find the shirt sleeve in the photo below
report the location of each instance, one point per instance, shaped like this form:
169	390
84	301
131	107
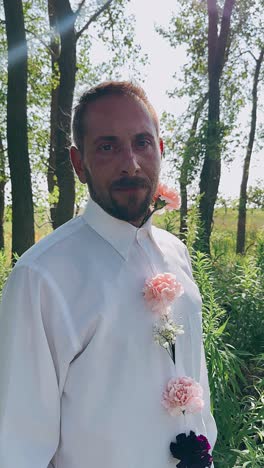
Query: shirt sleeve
29	393
209	422
208	418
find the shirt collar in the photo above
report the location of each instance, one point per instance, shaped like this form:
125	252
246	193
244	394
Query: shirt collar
120	234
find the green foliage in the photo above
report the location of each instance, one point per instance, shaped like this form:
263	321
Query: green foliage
242	292
192	224
237	396
5	269
193	138
114	30
169	221
232	289
260	253
81	195
255	195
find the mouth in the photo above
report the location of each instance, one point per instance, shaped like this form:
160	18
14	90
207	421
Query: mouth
127	185
128	189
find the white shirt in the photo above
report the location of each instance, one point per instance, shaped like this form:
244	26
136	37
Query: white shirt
81	378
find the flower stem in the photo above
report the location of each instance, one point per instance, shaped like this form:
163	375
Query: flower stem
173	352
148	215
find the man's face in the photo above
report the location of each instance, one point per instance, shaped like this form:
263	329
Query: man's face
121	157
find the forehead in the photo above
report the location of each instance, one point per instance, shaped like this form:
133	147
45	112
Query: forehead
119	116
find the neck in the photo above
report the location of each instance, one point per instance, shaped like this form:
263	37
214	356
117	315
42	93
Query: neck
146	217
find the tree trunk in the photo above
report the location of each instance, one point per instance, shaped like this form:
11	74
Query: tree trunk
22	205
51	175
2	193
210	175
63	19
242	210
184	206
186	168
211	171
55	52
67	69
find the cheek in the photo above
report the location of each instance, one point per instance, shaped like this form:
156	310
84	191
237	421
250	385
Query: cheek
101	174
152	167
104	164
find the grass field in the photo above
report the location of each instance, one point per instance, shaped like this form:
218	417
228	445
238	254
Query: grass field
224	231
223	234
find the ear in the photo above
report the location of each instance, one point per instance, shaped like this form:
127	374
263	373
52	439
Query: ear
78	164
161	145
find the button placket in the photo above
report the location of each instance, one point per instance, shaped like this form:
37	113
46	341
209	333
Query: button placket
142	238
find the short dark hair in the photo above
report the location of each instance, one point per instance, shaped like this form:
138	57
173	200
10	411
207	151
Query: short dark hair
107	88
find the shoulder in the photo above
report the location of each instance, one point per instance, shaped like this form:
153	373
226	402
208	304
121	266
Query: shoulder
165	238
67	258
55	241
174	248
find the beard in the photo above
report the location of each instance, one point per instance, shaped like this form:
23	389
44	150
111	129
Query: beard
132	209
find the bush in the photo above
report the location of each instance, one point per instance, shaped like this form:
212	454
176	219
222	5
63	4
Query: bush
237	395
241	293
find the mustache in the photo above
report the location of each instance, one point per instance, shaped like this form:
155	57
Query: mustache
130	182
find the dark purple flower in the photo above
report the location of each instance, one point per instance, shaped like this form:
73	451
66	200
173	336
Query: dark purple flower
192	451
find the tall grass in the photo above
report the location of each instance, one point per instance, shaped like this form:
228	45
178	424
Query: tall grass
232	289
237	399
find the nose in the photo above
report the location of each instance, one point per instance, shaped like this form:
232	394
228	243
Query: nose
129	162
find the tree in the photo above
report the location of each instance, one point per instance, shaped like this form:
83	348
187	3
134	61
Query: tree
189	161
17	138
187	27
211	170
113	30
3	148
242	210
62	15
63	23
198	148
255	195
54	48
2	192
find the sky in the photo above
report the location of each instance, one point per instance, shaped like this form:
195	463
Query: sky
164	62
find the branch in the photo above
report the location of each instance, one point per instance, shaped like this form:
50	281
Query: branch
248	52
212	22
198	111
39	226
41	41
77	12
93	18
212	32
112	26
224	33
257	71
236	58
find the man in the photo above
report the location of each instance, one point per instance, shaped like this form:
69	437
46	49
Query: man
81	377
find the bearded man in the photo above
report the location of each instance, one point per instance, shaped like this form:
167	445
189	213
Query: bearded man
83	382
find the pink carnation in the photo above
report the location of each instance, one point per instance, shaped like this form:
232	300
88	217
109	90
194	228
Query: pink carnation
170	196
161	291
183	395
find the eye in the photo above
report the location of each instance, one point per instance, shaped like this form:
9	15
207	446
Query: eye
106	147
143	142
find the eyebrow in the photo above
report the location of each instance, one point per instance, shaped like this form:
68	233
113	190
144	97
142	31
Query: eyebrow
113	138
105	138
145	134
